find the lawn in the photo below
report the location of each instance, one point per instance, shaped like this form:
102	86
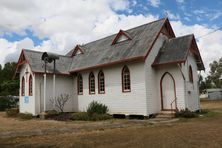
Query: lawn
199	132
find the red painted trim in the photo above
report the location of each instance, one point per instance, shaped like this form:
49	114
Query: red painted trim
123	90
30	90
161	90
168	63
21	63
78	92
76	49
121	32
140	58
62	74
101	72
166	22
90	92
190	74
23	87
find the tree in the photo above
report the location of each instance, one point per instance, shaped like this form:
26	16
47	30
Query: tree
60	101
215	77
202	83
7	85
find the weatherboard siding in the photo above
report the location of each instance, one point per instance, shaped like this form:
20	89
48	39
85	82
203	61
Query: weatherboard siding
191	89
152	100
27	106
118	102
64	85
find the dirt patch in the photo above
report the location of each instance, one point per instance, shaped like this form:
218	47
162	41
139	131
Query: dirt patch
199	132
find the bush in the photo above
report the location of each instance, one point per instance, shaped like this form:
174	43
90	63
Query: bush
94	117
99	117
185	114
80	116
25	116
7	102
51	114
98	108
63	117
13	112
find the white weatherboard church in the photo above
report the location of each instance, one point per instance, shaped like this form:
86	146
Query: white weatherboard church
140	71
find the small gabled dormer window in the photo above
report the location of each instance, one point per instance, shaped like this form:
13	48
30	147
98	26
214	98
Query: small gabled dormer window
77	50
120	37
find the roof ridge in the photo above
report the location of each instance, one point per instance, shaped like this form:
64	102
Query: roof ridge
124	31
29	50
181	36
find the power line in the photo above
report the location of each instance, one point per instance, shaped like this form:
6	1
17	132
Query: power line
209	33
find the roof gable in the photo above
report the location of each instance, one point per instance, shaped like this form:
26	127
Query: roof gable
77	50
101	52
121	36
176	50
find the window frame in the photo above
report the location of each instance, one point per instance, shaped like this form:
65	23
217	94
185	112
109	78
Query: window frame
101	73
30	85
123	79
78	84
91	75
190	74
23	86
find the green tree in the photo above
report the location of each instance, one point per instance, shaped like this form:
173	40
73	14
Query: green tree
8	86
214	80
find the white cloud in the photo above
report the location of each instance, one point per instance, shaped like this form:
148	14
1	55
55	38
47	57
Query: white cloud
180	1
210	46
155	3
11	50
171	15
68	24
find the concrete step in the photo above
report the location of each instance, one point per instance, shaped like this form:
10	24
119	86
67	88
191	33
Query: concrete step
166	114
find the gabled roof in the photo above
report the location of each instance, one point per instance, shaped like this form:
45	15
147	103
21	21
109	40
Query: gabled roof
33	58
101	52
120	34
176	50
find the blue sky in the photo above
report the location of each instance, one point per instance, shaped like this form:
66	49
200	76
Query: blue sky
57	26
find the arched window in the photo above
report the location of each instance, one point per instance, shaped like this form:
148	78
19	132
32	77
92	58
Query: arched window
190	74
101	83
126	79
30	85
91	83
80	84
23	87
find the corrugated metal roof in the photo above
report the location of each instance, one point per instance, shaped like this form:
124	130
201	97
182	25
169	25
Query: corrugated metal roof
37	65
174	50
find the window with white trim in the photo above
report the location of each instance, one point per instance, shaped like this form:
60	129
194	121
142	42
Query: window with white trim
101	83
91	83
126	79
190	74
80	84
23	87
30	85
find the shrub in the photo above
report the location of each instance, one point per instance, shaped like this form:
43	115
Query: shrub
185	114
98	108
80	116
63	117
25	116
99	117
7	102
50	114
13	112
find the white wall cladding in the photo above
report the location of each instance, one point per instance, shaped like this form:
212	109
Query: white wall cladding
191	89
153	101
179	84
118	102
64	85
26	107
